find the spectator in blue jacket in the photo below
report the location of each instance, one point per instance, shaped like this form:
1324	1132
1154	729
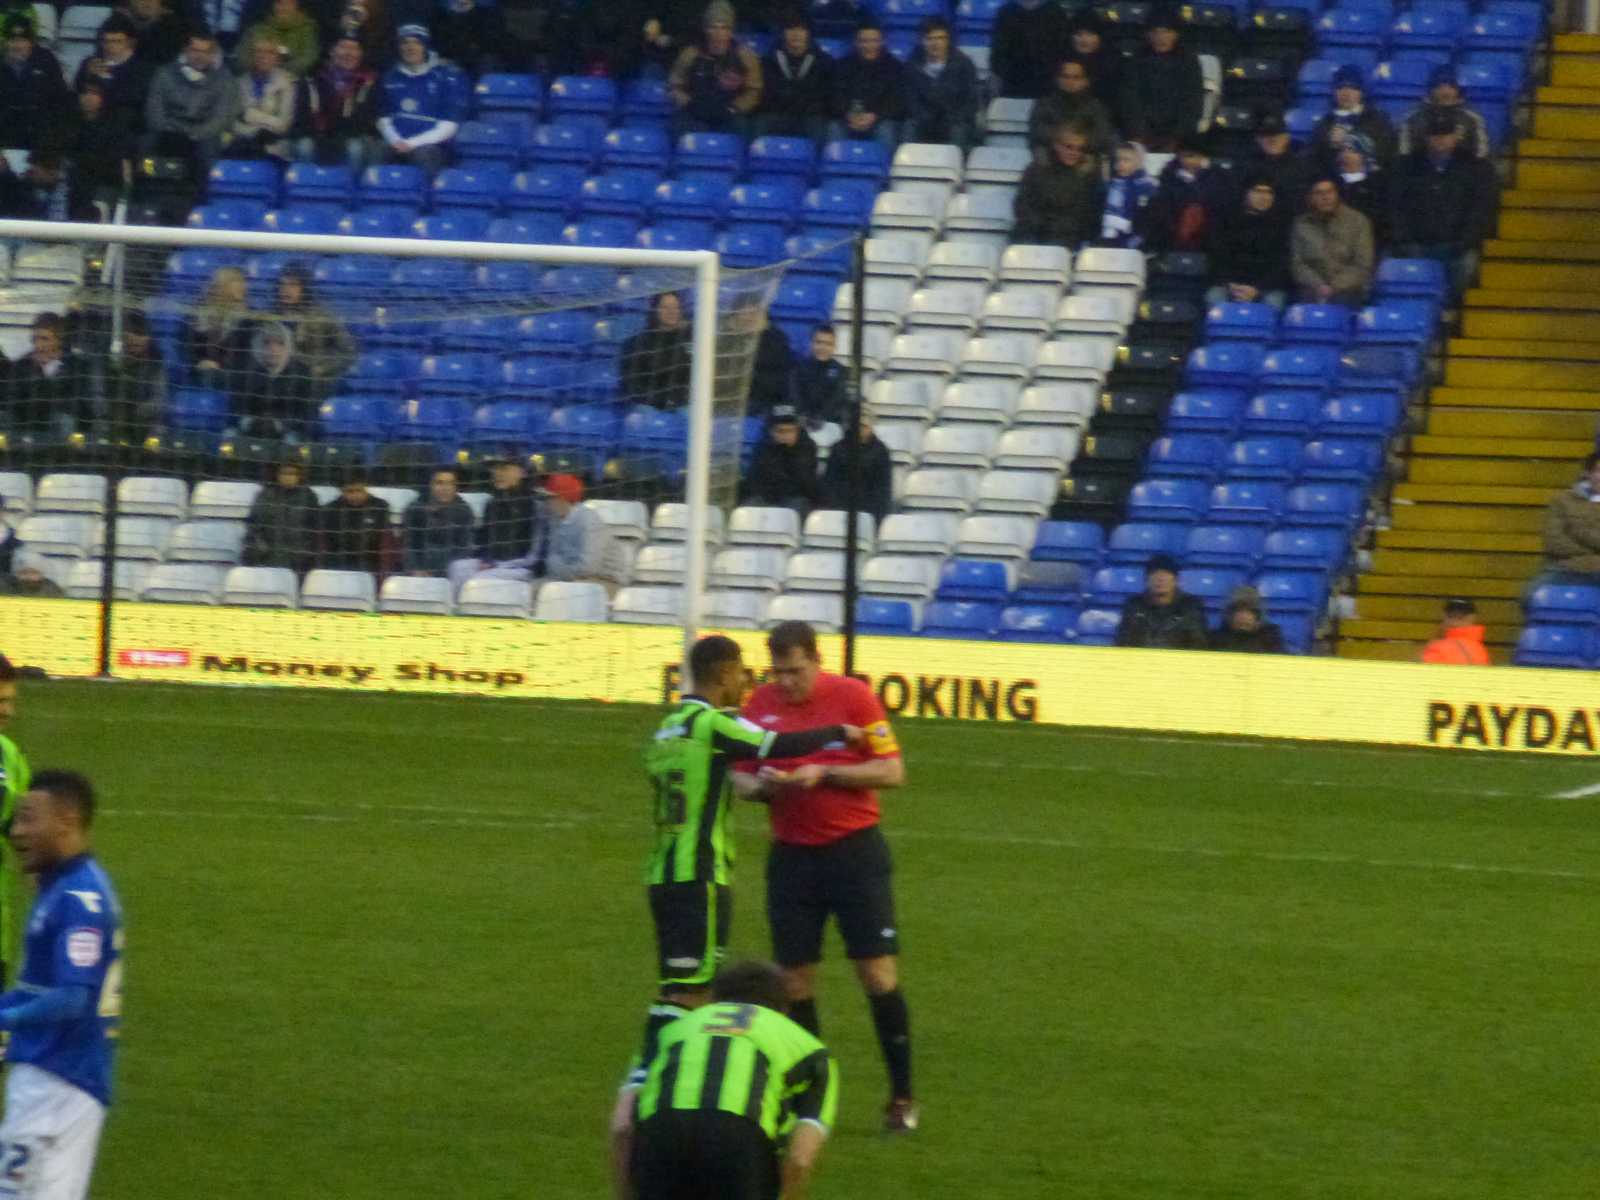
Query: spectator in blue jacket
424	102
941	90
868	92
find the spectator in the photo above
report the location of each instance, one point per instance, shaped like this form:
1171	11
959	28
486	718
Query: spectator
1103	63
1460	640
1331	253
1572	524
1445	99
130	383
266	106
439	527
1351	122
1128	195
124	76
320	338
819	386
716	84
1030	39
876	471
367	21
1444	202
272	396
1190	198
343	117
942	90
218	333
1059	202
49	388
655	361
623	39
1162	89
783	470
1162	617
1244	628
509	520
472	34
1070	102
1365	191
774	363
868	92
797	82
161	33
355	529
29	196
1250	250
423	102
97	144
281	530
289	29
9	545
1274	157
192	103
32	88
28	580
582	547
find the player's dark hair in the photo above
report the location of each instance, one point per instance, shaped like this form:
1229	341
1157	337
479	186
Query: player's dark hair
8	670
792	635
68	788
751	983
709	655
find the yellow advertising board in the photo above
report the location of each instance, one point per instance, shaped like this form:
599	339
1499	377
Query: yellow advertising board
1484	708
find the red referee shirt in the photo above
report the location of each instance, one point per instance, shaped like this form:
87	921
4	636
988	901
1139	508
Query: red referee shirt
823	814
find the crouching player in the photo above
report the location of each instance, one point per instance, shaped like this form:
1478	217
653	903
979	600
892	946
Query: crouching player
63	1013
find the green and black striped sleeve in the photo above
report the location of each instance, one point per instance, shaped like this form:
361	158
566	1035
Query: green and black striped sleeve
742	739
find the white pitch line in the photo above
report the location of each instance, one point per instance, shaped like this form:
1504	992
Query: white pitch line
1578	793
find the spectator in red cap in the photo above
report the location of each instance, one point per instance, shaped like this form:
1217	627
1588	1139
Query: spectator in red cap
582	547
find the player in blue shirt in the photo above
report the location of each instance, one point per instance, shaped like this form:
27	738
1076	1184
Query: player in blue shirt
64	1012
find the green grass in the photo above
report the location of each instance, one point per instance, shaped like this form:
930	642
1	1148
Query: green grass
396	947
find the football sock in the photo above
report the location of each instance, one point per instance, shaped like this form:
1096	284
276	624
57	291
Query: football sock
892	1020
804	1014
661	1014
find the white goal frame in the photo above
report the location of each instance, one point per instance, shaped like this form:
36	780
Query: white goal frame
705	265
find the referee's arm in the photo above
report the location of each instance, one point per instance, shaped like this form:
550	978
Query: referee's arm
875	774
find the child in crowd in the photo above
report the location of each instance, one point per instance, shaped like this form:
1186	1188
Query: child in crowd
1127	195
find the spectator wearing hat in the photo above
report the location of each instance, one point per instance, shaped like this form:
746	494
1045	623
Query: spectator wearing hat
876	468
783	470
271	396
192	104
715	84
1191	197
819	387
342	124
1071	102
1030	39
161	32
284	520
1129	191
423	102
1351	122
355	529
1572	524
286	26
510	520
438	527
266	105
1250	249
1245	628
869	91
367	21
1460	640
1163	92
942	91
1445	98
797	84
117	68
582	547
1059	201
32	89
472	34
1444	200
97	144
1331	253
1274	156
1162	617
1104	63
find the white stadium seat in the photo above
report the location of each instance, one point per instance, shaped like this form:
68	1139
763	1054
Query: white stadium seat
153	496
1008	119
734	610
46	22
816	571
910	396
648	606
137	537
1086	360
904	575
397	498
65	535
86	577
885	301
1003	356
670	523
918	533
752	525
973	262
70	493
628	520
823	612
1096	313
489	597
825	530
415	594
349	591
996	537
926	353
941	489
875	340
748	568
206	541
927	160
184	583
1018	312
1069	404
661	562
964	444
903	438
989	401
1036	449
899	257
260	587
16	493
1109	266
559	600
947	307
1036	264
224	501
918	212
478	502
979	217
81	23
1027	493
997	164
45	262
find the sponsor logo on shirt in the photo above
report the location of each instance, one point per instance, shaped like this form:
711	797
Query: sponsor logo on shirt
83	947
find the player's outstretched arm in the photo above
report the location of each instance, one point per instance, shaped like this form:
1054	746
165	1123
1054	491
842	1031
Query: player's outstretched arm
54	1007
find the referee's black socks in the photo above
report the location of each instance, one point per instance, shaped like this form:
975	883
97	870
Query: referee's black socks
804	1014
892	1020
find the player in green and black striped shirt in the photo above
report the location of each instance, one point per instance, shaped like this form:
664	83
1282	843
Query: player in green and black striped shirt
738	1098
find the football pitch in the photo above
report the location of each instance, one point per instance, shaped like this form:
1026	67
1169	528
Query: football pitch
388	947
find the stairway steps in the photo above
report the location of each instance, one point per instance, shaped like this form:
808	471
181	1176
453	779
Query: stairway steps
1562	133
1502	248
1575	43
1534	299
1426	608
1541	277
1541	351
1547	376
1542	199
1474	587
1550	224
1471	397
1468	447
1438	539
1420	631
1574	72
1520	328
1368	650
1497	472
1467	518
1485	565
1510	423
1435	492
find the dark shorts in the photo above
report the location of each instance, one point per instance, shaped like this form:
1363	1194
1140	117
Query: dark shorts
849	880
692	924
696	1155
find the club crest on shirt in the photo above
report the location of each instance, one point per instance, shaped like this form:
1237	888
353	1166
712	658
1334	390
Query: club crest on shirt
83	947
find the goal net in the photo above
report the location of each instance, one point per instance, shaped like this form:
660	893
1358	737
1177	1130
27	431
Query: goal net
372	424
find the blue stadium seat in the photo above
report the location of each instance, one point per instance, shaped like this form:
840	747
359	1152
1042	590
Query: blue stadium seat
619	194
1069	541
974	579
1508	32
1400	80
646	100
527	228
1213	587
851	159
581	284
546	188
198	410
303	218
379	372
1304	549
244	179
1490	82
1341	460
582	94
1302	121
1246	502
1555	646
436	418
1299	368
975	20
819	252
882	617
609	334
1052	584
1036	623
1181	500
1227	547
1386	368
459	225
1291	593
1226	365
394	184
1281	412
1316	324
1187	456
503	279
478	186
1430	32
690	200
560	333
475	333
1334	505
782	156
610	232
573	142
356	418
1341	30
750	246
1395	323
227	214
1134	543
190	271
1270	459
650	431
1206	410
839	204
455	374
1564	604
1358	415
1314	84
1241	323
261	273
431	278
353	282
517	422
584	427
378	222
908	15
710	152
1110	586
636	146
960	619
776	204
1410	278
312	182
678	235
535	377
499	141
520	95
1098	626
386	328
803	299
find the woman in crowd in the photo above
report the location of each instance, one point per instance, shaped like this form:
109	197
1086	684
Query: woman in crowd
320	338
217	337
655	361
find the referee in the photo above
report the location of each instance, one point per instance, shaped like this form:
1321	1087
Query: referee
14	777
829	856
730	1084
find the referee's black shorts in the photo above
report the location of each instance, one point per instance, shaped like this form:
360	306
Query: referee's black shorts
849	880
686	1154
